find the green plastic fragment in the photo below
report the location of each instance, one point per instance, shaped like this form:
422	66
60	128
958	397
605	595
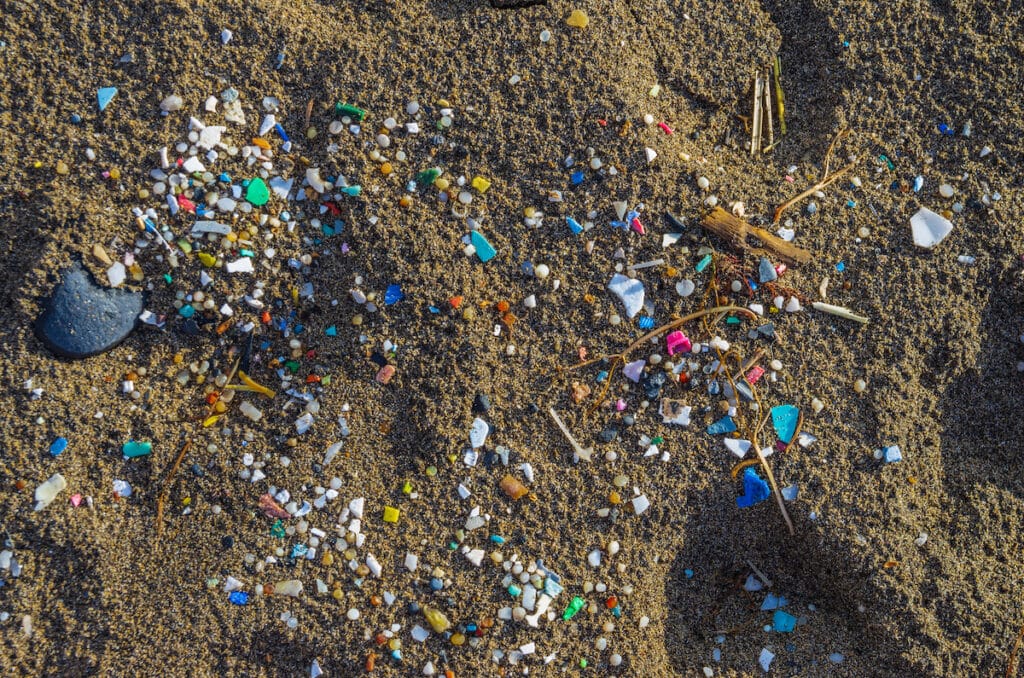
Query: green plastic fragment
247	253
732	320
134	448
428	176
703	263
257	193
350	110
293	366
185	245
888	163
584	663
277	529
575	606
168	279
353	191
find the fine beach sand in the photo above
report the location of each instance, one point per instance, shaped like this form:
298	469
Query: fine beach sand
107	596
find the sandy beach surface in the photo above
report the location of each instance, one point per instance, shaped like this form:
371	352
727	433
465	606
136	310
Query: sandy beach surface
141	567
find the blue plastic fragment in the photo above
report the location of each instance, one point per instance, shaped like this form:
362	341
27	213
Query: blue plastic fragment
784	419
601	376
239	597
497	539
552	587
646	322
723	425
75	118
703	263
689	573
433	309
299	550
187	311
783	622
577	177
944	129
58	446
484	250
104	95
755	490
280	132
574	225
841	266
620	224
774	602
393	295
892	454
352	190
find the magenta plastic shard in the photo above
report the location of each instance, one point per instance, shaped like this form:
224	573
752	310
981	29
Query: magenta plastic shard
677	342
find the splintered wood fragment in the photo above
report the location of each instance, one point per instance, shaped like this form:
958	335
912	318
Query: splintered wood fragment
767	106
756	120
736	232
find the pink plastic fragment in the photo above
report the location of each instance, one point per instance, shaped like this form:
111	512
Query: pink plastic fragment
789	179
754	374
637	226
780	269
186	204
665	128
76	499
677	342
620	405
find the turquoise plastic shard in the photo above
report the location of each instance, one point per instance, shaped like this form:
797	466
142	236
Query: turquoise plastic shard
784	419
723	425
484	249
104	95
783	622
134	448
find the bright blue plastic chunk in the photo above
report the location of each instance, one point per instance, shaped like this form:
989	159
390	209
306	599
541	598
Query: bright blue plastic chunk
723	425
393	295
574	225
484	249
239	597
577	177
104	95
331	331
783	622
58	446
784	418
755	490
703	263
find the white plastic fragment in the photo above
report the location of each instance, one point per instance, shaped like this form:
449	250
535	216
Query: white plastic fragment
117	274
641	504
478	432
48	491
674	412
268	124
331	453
171	103
241	265
650	154
737	446
629	291
412	561
201	227
225	38
929	228
374	565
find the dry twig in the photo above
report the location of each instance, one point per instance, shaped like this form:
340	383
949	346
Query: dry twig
823	183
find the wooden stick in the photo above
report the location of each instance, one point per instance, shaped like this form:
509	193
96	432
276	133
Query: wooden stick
735	231
821	185
780	99
755	135
767	91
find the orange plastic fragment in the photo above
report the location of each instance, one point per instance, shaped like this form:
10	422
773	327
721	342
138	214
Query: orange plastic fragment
262	143
455	302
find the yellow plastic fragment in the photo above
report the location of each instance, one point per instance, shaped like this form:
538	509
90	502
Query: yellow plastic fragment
391	514
481	184
578	19
250	386
210	421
